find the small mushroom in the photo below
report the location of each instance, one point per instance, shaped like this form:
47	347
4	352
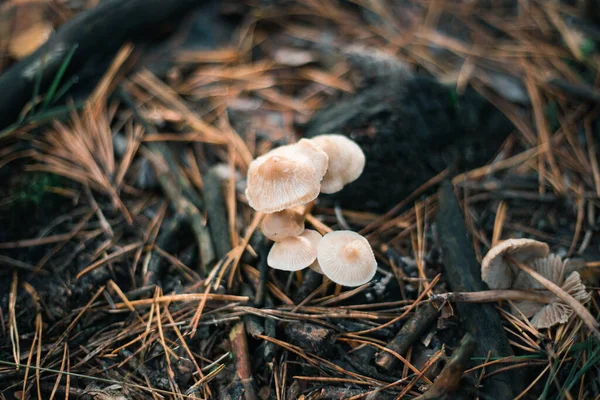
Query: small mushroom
556	312
286	176
500	274
346	258
316	267
346	161
295	253
283	224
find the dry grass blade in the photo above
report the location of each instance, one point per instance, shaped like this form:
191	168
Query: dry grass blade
190	297
12	318
83	150
110	257
60	374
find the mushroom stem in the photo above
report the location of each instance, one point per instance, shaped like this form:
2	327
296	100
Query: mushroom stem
577	307
490	296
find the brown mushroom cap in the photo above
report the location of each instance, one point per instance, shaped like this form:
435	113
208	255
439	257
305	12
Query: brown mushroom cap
282	224
295	253
551	267
346	161
346	258
498	273
286	176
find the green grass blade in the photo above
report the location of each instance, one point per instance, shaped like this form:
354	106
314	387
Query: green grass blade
36	89
593	359
61	92
49	98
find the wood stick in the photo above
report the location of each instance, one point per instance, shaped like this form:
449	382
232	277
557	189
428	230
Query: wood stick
490	296
408	334
239	348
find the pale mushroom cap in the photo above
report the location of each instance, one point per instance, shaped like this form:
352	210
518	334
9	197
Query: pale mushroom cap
286	176
497	273
576	288
551	267
346	258
346	161
552	314
282	225
557	312
295	253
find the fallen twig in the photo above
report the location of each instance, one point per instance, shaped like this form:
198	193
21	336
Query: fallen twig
239	348
408	334
490	296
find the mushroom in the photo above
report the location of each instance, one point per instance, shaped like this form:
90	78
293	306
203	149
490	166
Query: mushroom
295	253
500	274
346	161
286	176
346	258
282	224
316	267
556	312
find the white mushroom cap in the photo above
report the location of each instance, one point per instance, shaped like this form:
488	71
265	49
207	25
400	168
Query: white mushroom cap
498	273
282	224
295	253
346	161
552	268
286	176
346	258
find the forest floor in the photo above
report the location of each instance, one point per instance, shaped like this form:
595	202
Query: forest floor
131	266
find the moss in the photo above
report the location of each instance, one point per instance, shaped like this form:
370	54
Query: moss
32	205
33	188
587	47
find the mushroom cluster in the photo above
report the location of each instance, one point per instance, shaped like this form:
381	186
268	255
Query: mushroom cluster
283	181
499	272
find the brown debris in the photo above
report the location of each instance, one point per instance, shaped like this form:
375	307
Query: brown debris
311	338
449	379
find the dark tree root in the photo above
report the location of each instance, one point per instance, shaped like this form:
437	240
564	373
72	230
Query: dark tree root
463	273
97	34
